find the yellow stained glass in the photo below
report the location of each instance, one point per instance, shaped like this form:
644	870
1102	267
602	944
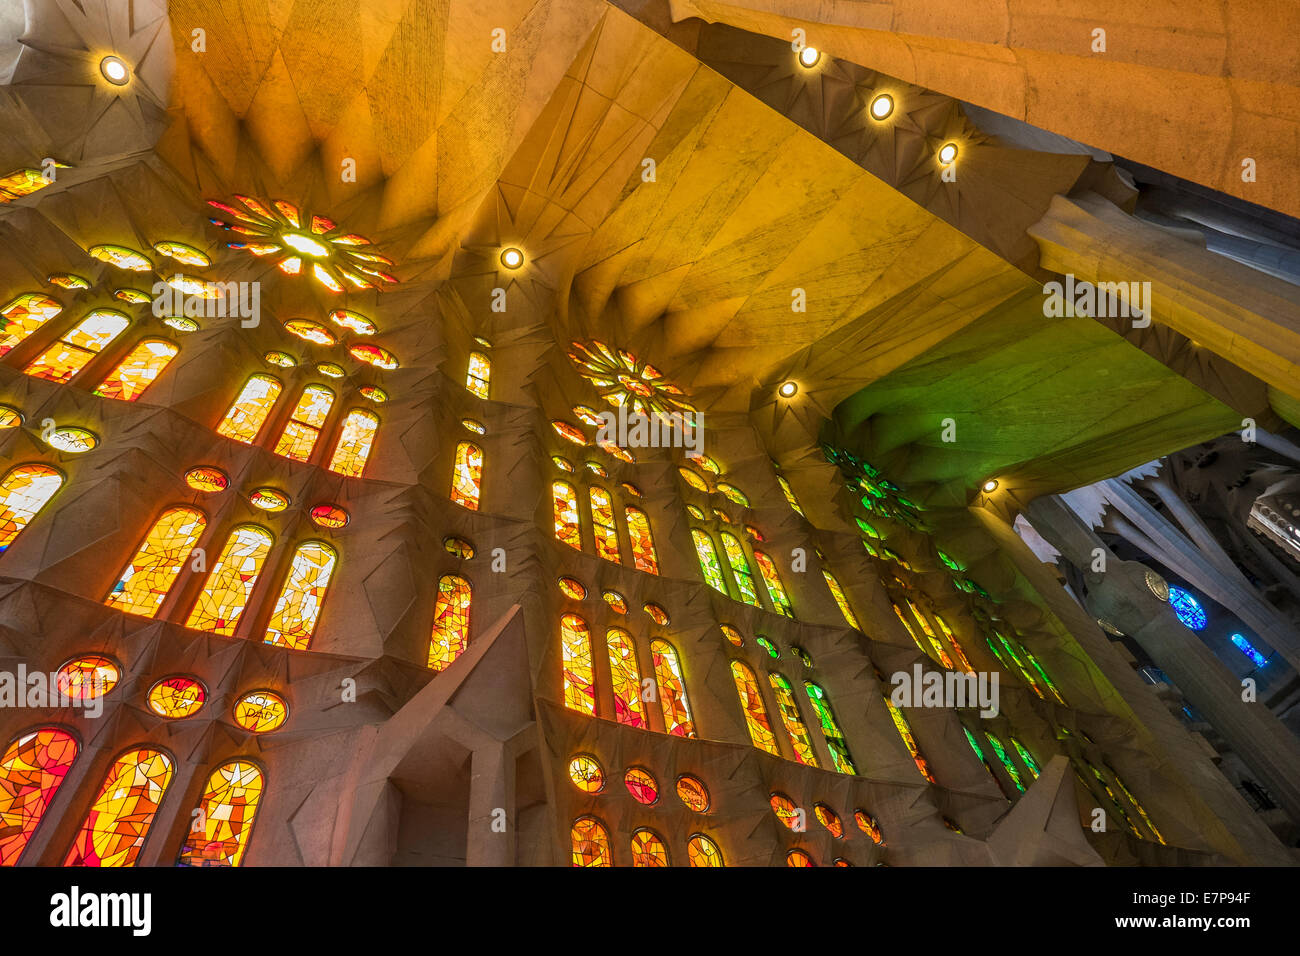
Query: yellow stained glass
837	592
298	608
789	494
230	585
23	316
751	704
956	648
245	418
672	690
150	574
87	677
767	568
648	849
579	676
261	711
118	822
182	253
176	697
23	492
32	768
939	653
701	851
223	821
304	425
23	182
69	355
138	370
693	478
602	522
355	439
905	731
450	621
121	257
735	555
564	501
733	494
586	773
643	542
479	374
590	842
794	725
467	475
626	678
692	793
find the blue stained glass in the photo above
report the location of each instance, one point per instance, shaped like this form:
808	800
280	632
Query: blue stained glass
1246	648
1187	608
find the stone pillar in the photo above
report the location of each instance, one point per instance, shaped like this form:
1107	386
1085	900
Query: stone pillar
492	823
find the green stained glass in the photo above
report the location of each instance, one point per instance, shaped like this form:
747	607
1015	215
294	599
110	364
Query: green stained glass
1033	662
767	568
708	560
735	555
794	725
1028	759
1024	671
1006	762
835	741
974	745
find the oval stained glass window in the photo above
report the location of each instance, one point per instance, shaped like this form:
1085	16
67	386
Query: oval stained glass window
373	355
562	463
597	468
131	296
785	810
571	432
268	499
261	711
66	280
280	359
1187	608
476	427
868	825
71	439
10	417
642	785
182	253
176	697
631	489
573	588
313	332
482	341
88	677
695	512
374	393
693	793
207	479
330	370
657	614
611	448
353	322
121	257
181	323
693	478
615	601
733	494
829	819
586	774
732	635
707	463
328	516
768	646
459	547
588	415
754	533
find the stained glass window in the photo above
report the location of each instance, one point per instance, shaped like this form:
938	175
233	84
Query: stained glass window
798	858
789	494
224	820
573	588
150	574
1240	643
751	704
23	316
735	554
458	547
1028	678
230	584
786	811
1187	608
693	478
586	773
693	793
353	447
23	182
138	370
835	741
298	607
23	492
565	503
69	355
829	819
118	822
648	849
305	423
176	697
701	851
602	521
1026	757
1133	800
672	690
330	516
71	439
246	416
87	677
905	731
939	653
642	785
626	677
768	646
838	593
32	769
767	568
479	374
616	601
733	494
570	432
657	614
590	842
373	355
467	475
956	647
579	676
732	635
268	499
450	621
643	543
207	479
1006	761
868	825
708	560
1038	668
794	725
261	711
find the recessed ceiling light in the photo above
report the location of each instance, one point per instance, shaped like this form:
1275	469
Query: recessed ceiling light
882	106
990	486
947	153
114	70
787	389
512	258
809	56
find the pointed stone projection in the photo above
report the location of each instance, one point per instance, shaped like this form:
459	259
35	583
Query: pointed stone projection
1043	829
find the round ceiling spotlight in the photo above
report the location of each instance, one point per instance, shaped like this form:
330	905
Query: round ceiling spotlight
512	258
787	389
114	70
990	486
882	106
947	153
809	56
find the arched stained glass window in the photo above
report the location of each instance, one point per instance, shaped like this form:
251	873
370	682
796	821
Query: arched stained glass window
150	574
772	580
626	677
648	849
837	592
602	524
708	560
230	584
450	621
905	731
590	843
564	500
672	690
305	423
735	554
790	716
298	608
138	370
23	492
32	769
355	439
467	475
751	704
224	819
701	851
798	857
118	822
479	374
70	354
248	413
579	676
23	316
835	741
643	542
789	495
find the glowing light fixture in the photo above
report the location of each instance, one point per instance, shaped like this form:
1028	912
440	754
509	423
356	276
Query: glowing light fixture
787	389
809	56
305	245
114	70
990	486
947	153
882	106
512	258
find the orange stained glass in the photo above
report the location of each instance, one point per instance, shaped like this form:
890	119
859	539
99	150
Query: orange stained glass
230	585
905	731
579	676
791	816
573	588
355	439
23	492
304	425
642	785
602	523
672	690
590	842
837	592
657	614
150	574
648	849
643	542
732	635
450	621
701	851
939	653
118	822
751	705
23	316
626	677
616	601
692	793
261	711
298	608
23	182
74	349
32	769
467	475
87	677
312	332
798	858
829	819
223	821
911	631
138	370
246	416
772	580
565	503
207	479
693	478
586	773
735	555
570	432
956	648
868	825
176	697
794	725
479	374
